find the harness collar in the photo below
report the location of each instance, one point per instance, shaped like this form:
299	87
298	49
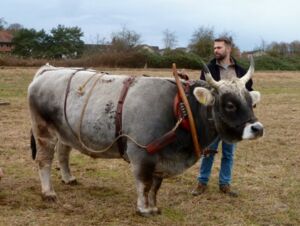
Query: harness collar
180	110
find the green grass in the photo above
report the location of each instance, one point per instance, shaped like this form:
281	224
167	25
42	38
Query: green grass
13	83
174	214
266	171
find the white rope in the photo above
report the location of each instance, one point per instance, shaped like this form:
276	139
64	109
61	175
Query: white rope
93	151
118	137
80	89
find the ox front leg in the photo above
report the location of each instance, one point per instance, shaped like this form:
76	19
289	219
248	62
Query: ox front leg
145	182
45	154
143	188
152	194
63	158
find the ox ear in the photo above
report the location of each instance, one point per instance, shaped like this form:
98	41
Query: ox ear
204	96
255	95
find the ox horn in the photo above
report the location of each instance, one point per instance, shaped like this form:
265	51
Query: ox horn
250	71
208	77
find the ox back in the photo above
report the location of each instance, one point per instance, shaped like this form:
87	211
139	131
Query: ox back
147	110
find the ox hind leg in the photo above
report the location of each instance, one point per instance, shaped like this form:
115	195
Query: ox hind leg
63	152
45	145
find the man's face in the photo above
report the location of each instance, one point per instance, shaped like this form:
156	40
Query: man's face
221	50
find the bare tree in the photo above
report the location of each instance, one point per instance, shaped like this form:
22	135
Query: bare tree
278	49
295	47
3	23
125	39
99	40
202	42
263	45
169	39
14	27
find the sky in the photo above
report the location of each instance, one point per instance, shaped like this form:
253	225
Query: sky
250	22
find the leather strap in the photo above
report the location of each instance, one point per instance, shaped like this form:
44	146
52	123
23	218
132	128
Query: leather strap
170	136
118	119
197	147
161	142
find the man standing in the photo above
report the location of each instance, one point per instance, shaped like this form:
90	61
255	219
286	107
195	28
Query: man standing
223	66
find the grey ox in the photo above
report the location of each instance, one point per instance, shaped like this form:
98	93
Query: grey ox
73	108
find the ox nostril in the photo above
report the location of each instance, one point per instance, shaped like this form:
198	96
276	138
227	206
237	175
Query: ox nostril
257	129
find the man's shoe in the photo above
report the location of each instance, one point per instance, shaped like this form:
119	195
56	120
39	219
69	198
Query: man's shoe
200	189
225	189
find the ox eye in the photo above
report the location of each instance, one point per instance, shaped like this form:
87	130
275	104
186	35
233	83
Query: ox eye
230	107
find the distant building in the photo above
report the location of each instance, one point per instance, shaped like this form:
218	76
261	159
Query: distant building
151	49
96	48
5	42
255	53
178	49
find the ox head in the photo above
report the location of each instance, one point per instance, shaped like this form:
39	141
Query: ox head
232	106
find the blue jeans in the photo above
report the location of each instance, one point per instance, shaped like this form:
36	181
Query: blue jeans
226	163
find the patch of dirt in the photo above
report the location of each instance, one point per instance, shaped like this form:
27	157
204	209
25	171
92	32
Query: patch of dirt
266	171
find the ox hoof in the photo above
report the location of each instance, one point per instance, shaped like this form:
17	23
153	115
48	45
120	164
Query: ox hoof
149	212
144	214
49	197
71	182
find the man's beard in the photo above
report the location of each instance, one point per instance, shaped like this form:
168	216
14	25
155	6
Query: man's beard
220	56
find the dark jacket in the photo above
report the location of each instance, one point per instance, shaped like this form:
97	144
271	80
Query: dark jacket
215	72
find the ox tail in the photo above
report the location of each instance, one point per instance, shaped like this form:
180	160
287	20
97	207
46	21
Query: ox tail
32	145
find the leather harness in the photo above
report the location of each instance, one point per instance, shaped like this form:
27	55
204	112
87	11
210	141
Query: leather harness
164	140
170	136
122	141
157	144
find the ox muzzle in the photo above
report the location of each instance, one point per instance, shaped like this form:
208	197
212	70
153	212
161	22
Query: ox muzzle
253	131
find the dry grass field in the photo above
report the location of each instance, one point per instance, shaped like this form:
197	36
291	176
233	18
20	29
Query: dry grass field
266	171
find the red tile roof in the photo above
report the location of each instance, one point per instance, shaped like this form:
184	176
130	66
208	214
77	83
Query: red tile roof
5	37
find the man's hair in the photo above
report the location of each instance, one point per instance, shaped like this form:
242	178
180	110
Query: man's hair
225	39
